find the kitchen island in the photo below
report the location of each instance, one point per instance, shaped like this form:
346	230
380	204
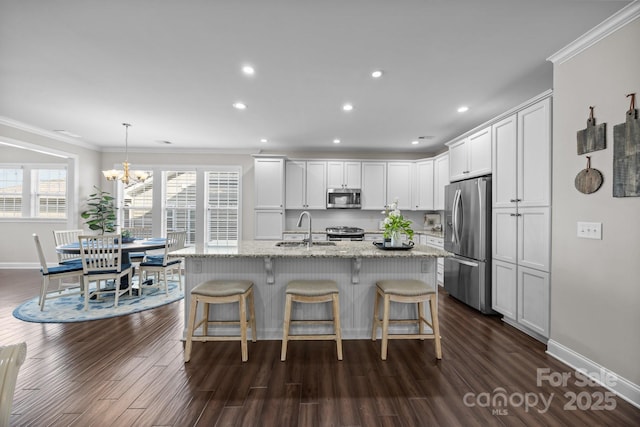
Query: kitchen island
354	266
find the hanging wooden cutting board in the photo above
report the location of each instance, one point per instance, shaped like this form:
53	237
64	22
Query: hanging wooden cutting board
588	180
593	137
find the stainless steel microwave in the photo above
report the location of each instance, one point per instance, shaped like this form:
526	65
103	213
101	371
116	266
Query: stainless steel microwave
343	198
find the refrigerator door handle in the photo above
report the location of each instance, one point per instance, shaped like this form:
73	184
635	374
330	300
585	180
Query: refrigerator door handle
456	208
467	263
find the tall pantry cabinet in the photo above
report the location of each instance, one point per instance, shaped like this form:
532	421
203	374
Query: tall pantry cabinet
522	218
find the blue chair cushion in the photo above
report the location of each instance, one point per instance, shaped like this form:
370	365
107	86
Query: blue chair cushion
72	261
66	268
136	255
157	262
124	267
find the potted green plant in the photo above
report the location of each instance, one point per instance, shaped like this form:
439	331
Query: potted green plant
101	214
395	225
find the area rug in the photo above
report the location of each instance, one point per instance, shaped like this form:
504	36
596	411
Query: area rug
68	309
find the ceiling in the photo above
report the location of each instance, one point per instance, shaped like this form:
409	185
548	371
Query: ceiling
173	69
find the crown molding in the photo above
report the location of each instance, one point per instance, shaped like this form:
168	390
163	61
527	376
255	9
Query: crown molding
610	25
46	133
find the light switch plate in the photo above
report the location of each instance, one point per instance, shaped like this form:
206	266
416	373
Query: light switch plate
590	230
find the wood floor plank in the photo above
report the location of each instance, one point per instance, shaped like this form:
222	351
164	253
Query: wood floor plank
130	370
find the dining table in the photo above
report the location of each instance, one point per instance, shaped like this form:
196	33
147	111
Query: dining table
128	247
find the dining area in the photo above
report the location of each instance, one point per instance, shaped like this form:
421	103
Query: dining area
108	268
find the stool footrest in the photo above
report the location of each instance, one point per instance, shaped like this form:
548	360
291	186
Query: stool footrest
311	322
312	337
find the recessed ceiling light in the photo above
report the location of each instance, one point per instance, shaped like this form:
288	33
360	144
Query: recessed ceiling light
415	142
263	140
336	141
67	133
248	70
376	74
240	105
463	109
347	107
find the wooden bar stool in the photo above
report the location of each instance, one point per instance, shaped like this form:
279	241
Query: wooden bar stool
221	292
406	291
312	291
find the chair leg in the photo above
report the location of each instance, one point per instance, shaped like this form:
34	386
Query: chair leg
43	291
285	327
243	327
385	327
433	306
374	326
252	316
336	325
86	293
421	315
205	313
190	326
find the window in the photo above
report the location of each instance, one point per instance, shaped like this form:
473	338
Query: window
180	202
33	191
49	192
223	214
137	204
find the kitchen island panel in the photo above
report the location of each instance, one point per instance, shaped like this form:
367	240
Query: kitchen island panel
356	299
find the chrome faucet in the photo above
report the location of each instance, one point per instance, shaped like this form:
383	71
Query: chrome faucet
310	239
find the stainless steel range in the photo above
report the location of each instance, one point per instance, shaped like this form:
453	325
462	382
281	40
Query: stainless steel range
345	233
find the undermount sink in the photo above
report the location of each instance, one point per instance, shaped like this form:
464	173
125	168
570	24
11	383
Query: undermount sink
298	244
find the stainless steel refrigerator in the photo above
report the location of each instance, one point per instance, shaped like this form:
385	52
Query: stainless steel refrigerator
467	233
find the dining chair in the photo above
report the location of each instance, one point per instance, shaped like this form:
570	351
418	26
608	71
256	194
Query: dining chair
139	233
11	359
162	265
101	262
59	272
65	237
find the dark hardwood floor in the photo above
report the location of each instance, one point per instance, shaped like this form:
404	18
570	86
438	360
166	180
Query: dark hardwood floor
129	371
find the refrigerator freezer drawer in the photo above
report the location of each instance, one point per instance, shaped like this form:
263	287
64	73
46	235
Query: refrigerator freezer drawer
468	280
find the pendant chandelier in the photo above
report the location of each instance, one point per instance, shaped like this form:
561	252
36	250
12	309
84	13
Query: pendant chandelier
125	175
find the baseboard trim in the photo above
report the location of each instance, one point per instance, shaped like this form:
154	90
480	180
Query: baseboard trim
624	388
20	265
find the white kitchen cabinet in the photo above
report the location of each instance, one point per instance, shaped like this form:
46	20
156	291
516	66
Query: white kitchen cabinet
522	217
269	197
269	183
400	184
424	185
344	174
305	185
440	180
522	158
269	224
374	185
437	242
533	300
471	156
504	288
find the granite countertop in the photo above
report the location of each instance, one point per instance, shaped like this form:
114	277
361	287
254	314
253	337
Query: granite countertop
433	233
342	249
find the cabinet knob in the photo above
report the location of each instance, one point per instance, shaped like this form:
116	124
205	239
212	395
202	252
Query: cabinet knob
515	200
515	214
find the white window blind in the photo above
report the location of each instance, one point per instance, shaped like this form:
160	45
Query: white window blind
11	192
180	202
49	193
223	195
137	204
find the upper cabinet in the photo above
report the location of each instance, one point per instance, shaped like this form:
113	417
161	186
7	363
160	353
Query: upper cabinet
425	185
470	156
374	185
306	186
344	174
440	180
521	158
400	179
269	183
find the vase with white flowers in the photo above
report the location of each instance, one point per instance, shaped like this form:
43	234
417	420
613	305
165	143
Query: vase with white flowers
395	225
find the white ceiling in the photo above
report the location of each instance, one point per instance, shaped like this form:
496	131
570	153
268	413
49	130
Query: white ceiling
172	69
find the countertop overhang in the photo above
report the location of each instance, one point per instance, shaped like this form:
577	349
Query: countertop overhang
342	249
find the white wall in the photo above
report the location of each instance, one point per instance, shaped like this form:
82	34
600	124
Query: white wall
595	290
84	162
